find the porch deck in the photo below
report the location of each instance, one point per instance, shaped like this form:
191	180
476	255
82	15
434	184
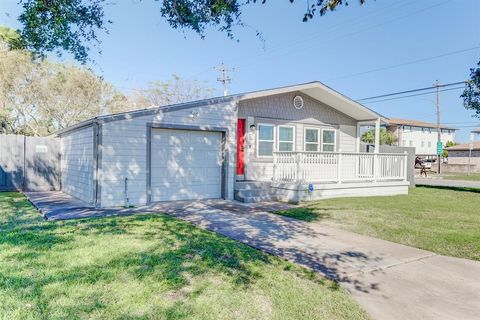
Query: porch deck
300	176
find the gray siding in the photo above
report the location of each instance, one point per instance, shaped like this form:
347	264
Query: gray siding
77	164
279	110
124	150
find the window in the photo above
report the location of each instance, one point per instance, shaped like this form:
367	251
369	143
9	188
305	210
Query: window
411	143
265	139
286	136
312	139
429	144
328	140
423	144
404	143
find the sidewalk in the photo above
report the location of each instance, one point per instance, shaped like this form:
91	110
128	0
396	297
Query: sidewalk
435	182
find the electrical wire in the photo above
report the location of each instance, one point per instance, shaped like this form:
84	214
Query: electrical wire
404	63
413	90
415	95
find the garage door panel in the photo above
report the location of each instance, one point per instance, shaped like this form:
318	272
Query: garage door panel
185	165
192	192
167	159
192	175
187	139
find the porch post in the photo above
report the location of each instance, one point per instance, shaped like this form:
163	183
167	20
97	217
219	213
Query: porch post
377	135
377	149
357	140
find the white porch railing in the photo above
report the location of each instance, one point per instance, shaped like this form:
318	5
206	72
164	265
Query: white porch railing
312	167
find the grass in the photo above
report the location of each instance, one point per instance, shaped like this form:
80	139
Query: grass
439	220
148	267
462	176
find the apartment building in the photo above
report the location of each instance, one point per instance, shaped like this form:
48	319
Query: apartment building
419	134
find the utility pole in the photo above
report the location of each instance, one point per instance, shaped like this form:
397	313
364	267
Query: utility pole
224	78
439	137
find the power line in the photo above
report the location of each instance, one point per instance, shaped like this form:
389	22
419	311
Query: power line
332	29
404	63
415	95
253	61
412	90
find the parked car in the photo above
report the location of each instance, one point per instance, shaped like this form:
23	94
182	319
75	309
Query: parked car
427	164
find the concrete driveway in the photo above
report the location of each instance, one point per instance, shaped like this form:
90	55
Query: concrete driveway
389	280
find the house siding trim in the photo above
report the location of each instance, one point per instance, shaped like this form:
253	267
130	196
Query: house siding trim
224	167
97	149
149	112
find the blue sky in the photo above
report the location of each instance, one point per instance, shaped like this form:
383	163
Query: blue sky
141	47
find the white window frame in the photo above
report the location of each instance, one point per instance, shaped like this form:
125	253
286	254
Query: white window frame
258	139
318	143
334	139
278	137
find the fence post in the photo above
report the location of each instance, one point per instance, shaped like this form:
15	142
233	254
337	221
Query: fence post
299	167
274	178
375	167
405	166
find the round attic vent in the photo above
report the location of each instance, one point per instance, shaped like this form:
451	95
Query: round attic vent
298	102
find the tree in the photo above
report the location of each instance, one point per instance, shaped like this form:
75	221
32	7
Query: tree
12	38
471	94
39	97
72	25
447	144
175	90
386	136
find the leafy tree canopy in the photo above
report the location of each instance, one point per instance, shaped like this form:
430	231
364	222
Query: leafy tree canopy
11	37
447	144
73	25
386	136
471	94
38	97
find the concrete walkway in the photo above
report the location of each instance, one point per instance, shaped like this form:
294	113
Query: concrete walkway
447	183
389	280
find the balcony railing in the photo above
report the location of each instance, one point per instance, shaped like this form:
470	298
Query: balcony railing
317	167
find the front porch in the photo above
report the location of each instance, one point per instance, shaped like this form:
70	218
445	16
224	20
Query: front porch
303	176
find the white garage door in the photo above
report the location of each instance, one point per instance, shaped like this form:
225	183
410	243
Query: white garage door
186	165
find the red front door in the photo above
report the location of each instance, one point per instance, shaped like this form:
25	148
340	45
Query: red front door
240	147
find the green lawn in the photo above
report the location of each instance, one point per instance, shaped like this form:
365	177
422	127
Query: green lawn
148	267
462	176
439	220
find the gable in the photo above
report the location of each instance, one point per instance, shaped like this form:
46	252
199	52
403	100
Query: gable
281	107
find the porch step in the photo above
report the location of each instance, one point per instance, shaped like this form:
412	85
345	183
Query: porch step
255	191
259	199
252	185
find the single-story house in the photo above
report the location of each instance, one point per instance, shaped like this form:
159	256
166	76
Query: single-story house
461	159
290	143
